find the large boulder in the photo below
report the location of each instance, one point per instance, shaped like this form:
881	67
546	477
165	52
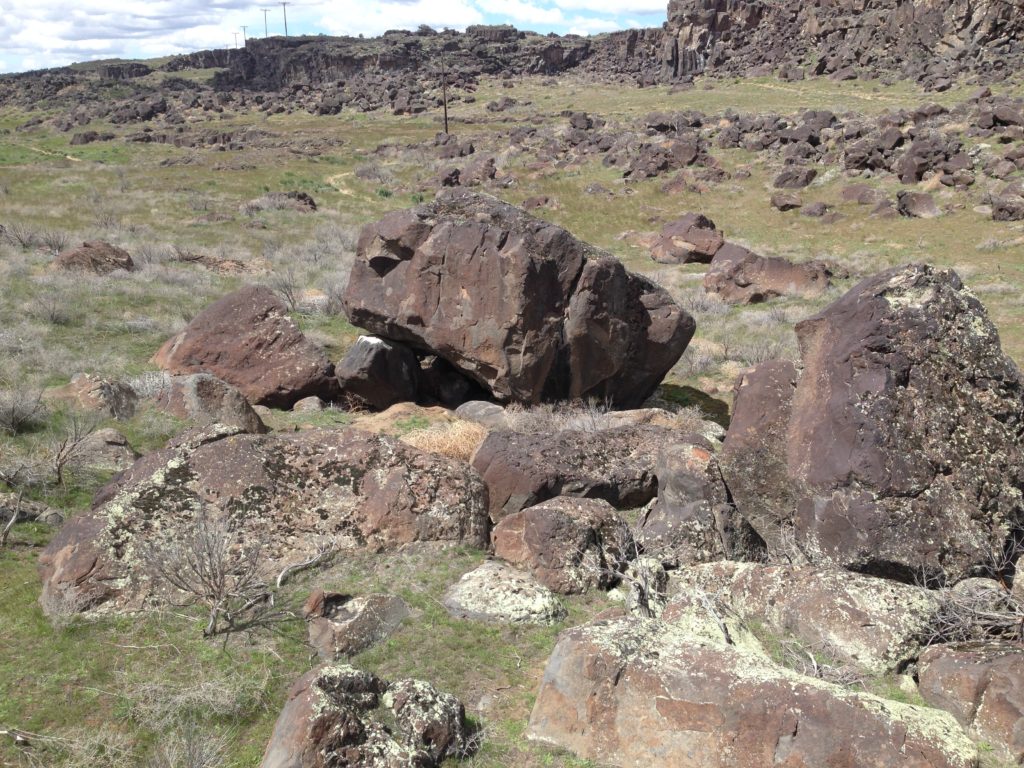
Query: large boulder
296	493
247	339
896	449
337	715
378	373
204	399
696	691
690	238
875	626
569	544
95	256
982	685
617	465
514	302
740	276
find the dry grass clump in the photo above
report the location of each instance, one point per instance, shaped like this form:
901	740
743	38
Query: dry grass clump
457	440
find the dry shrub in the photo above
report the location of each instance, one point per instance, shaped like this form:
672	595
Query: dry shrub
21	410
456	440
63	607
209	694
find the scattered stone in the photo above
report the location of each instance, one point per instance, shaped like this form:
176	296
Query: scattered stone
1007	209
692	238
248	340
340	626
27	510
814	210
105	450
795	177
570	545
917	205
490	415
496	592
311	404
786	201
97	257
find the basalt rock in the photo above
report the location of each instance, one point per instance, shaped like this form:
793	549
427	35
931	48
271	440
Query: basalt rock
378	373
691	238
340	626
204	399
515	303
248	340
294	493
97	257
740	276
896	449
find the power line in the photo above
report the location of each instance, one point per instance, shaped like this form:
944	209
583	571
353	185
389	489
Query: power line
236	38
244	38
284	9
266	32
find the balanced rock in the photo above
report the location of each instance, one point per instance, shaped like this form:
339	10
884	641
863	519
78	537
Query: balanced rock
378	373
708	696
331	719
617	465
515	303
496	592
740	276
248	340
204	399
896	449
97	257
295	493
570	545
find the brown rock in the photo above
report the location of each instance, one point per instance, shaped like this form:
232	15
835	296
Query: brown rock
295	493
794	177
569	544
91	393
341	626
377	374
917	205
785	201
690	238
105	450
520	306
204	399
95	256
740	276
982	685
248	340
616	465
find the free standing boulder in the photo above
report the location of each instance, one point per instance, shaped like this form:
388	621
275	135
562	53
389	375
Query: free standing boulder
740	276
95	256
247	339
514	302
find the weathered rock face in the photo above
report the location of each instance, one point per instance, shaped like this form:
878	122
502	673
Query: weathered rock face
740	276
497	592
294	493
692	520
97	257
982	685
569	545
874	625
329	720
91	393
617	465
897	450
676	692
378	373
105	450
691	238
520	306
204	399
341	626
248	340
917	205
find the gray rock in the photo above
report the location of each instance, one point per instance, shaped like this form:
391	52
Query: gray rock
497	592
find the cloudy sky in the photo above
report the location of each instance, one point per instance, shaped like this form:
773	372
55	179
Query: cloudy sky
48	33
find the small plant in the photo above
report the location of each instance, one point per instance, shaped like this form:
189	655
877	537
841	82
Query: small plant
55	240
21	410
456	440
384	193
20	236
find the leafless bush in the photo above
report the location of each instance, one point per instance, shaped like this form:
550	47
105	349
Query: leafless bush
78	748
207	694
21	410
586	416
55	240
821	662
68	442
53	306
63	606
20	235
700	303
150	384
191	747
287	284
375	172
212	568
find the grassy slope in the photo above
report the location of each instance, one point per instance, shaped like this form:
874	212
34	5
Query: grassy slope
91	677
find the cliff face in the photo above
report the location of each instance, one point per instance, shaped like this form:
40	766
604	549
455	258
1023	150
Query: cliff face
916	38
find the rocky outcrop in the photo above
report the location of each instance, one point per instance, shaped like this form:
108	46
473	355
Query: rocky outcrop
896	449
740	276
520	306
333	718
248	340
296	494
691	691
569	544
617	465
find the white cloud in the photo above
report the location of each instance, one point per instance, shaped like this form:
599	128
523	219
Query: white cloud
354	17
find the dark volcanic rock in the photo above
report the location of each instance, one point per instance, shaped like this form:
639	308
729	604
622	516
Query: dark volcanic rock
616	465
204	399
917	205
248	340
740	276
520	306
691	238
794	177
340	626
291	492
95	256
897	450
378	373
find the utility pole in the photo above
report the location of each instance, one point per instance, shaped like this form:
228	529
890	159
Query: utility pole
244	38
236	38
444	87
266	31
284	9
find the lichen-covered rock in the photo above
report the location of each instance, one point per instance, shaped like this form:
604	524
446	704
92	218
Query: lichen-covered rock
982	685
917	205
515	303
204	399
569	544
617	465
341	626
91	393
294	493
693	520
874	625
692	692
897	449
378	373
329	720
247	339
499	593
